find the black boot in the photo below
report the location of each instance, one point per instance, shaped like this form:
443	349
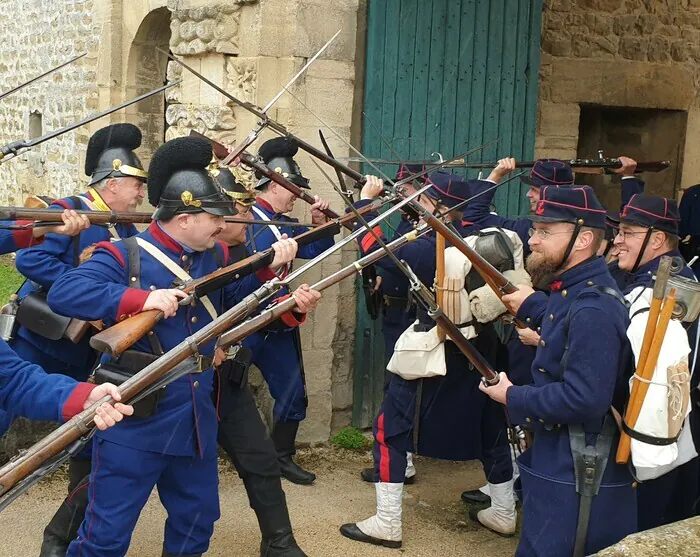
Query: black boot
284	436
77	470
166	553
367	475
63	528
476	497
277	537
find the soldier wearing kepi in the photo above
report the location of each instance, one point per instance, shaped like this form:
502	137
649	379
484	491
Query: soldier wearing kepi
669	473
581	356
172	442
242	433
277	353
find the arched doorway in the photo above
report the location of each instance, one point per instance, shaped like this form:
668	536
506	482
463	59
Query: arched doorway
146	70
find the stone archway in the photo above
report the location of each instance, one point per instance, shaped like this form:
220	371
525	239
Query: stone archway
146	70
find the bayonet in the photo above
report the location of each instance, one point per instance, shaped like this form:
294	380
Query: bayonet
18	147
37	78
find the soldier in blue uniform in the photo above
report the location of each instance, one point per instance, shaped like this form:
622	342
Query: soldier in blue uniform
172	444
455	420
689	228
277	353
117	182
398	310
581	357
25	389
242	433
649	230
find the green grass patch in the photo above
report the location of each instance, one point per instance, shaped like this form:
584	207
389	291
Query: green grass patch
351	438
10	279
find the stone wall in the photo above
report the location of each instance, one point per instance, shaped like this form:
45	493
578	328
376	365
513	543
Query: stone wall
618	53
37	36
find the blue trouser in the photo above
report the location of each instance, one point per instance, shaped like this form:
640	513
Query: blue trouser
121	481
275	355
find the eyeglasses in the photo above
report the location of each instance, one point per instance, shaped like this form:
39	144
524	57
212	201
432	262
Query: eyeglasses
544	234
622	233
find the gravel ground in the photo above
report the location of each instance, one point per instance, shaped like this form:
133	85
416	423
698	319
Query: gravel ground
435	521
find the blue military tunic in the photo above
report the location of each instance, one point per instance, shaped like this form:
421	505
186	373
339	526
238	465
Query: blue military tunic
176	448
581	394
44	265
397	310
277	353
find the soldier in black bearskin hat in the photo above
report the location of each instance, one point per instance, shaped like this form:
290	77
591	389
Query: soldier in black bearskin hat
172	445
278	353
116	183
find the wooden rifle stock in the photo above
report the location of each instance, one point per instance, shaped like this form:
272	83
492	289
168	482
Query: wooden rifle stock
121	336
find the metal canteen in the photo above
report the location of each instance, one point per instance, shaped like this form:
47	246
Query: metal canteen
7	326
687	306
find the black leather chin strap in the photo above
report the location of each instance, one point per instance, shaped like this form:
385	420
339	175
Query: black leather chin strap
567	253
645	243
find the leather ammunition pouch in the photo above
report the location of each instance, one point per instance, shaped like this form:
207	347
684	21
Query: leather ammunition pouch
235	368
35	314
494	246
119	370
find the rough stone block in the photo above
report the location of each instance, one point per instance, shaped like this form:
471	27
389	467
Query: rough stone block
633	48
674	540
626	25
557	46
340	420
317	364
659	49
634	84
679	52
602	5
342	395
556	119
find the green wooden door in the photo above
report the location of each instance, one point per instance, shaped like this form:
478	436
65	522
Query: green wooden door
444	76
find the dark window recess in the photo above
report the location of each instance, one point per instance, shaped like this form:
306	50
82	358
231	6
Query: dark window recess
640	133
36	126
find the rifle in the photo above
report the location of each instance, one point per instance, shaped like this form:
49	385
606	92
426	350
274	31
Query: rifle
30	466
581	166
51	217
118	338
37	78
17	147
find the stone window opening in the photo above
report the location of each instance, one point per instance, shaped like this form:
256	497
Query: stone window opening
36	125
645	134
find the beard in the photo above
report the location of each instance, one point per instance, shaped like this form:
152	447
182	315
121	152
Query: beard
541	271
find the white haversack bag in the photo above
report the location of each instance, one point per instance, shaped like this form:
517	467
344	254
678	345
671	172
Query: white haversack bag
418	354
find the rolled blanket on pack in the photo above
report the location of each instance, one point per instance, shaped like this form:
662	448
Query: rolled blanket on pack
485	304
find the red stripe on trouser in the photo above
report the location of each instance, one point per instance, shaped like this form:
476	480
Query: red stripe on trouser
93	475
369	240
384	464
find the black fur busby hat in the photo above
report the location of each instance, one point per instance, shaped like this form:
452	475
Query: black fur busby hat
180	182
233	188
277	154
110	153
